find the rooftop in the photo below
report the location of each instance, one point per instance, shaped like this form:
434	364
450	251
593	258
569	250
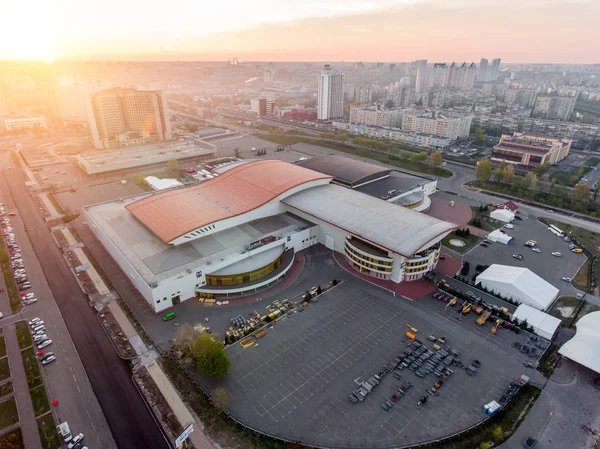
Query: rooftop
172	214
344	169
397	229
398	181
104	160
518	149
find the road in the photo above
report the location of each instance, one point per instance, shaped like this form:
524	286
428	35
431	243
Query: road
129	419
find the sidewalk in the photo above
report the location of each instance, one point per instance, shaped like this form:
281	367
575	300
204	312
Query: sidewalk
180	410
27	421
53	212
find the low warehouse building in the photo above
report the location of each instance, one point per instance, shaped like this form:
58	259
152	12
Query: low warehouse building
584	347
519	284
498	236
543	324
240	231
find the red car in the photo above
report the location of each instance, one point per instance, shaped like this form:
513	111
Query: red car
483	244
502	231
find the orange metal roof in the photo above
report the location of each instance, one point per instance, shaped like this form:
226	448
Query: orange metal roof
172	214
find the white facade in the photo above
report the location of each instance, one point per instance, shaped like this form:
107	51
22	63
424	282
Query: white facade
330	101
519	284
19	123
439	123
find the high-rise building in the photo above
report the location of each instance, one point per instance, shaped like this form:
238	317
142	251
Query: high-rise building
494	73
483	70
461	76
553	107
330	101
122	117
524	98
258	106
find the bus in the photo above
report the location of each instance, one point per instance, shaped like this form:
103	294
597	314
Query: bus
556	230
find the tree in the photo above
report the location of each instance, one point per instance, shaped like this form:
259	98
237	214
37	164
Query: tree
436	159
343	137
581	193
596	190
542	169
422	156
173	166
414	157
483	170
530	181
497	433
389	104
221	397
210	357
479	135
499	174
509	174
406	155
185	338
485	445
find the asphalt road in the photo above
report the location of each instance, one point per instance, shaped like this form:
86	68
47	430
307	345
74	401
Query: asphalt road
131	423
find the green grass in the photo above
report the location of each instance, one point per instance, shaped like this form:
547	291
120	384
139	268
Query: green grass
56	204
9	281
12	440
2	347
370	154
32	368
5	390
548	362
23	335
470	242
565	303
8	413
39	398
592	162
4	369
580	281
48	434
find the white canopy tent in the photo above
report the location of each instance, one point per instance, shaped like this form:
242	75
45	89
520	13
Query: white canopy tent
162	184
543	324
499	237
584	347
503	215
520	284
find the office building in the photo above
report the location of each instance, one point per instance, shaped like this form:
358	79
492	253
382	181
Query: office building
330	101
553	107
531	150
258	106
233	234
483	69
375	116
123	117
440	123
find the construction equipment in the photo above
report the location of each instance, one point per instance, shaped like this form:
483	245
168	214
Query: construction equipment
410	336
495	327
442	284
483	318
466	309
412	329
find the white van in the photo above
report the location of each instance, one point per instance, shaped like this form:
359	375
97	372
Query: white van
65	431
509	226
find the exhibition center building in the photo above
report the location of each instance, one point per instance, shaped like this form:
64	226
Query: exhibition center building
239	232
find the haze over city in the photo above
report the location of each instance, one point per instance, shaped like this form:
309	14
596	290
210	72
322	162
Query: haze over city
558	31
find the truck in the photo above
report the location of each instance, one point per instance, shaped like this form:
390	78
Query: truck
483	318
64	431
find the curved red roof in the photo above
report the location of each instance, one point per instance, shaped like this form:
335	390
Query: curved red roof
171	214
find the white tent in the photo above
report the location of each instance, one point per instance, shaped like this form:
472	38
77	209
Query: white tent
520	284
503	215
584	347
162	184
543	324
500	237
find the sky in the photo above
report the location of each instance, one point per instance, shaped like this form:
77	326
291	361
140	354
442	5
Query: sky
553	31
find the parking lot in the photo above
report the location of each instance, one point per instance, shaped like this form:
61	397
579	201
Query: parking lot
295	382
549	267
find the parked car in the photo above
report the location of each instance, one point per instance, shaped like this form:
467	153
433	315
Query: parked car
536	250
577	250
567	279
25	286
49	360
518	256
29	296
485	245
556	253
42	344
34	320
509	226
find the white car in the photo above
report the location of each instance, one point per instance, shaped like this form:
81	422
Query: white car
30	301
36	322
44	343
76	439
566	279
556	253
38	338
29	296
49	360
536	250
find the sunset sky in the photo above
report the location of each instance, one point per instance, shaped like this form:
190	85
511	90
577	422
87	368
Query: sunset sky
310	30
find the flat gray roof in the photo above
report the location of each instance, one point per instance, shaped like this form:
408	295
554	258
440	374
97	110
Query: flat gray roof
397	229
110	160
399	181
344	169
156	261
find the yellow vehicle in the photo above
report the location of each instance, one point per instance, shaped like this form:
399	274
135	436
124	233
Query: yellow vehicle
466	309
577	250
410	336
483	318
495	327
452	302
412	329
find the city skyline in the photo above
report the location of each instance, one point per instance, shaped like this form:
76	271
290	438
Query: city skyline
380	30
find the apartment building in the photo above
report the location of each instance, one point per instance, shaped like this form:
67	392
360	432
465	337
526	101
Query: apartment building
530	149
330	101
258	106
122	117
553	107
440	123
524	98
375	116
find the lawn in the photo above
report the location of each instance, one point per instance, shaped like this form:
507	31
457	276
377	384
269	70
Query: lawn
8	413
2	347
23	335
5	390
39	398
564	308
580	281
48	434
11	288
4	369
32	368
592	162
12	440
362	152
470	242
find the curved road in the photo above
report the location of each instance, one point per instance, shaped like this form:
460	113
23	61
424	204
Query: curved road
129	419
